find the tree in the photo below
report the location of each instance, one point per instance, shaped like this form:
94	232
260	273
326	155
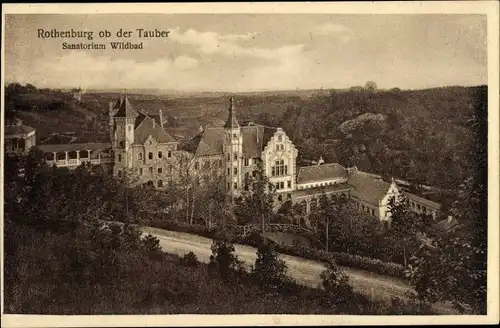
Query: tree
256	203
269	269
456	272
223	260
336	285
371	86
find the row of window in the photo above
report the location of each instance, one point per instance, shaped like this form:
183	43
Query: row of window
422	208
235	171
208	164
150	155
330	183
246	161
366	209
281	184
159	170
235	185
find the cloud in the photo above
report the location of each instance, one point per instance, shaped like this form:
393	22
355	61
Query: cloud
82	69
185	62
213	43
341	32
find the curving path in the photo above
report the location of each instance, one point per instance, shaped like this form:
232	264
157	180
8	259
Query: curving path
303	271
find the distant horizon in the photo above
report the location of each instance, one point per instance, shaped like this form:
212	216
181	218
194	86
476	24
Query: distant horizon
116	90
250	52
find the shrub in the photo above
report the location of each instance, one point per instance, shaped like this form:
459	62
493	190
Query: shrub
223	260
151	243
269	270
336	285
189	260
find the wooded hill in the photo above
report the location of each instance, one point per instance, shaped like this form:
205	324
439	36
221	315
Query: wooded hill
417	135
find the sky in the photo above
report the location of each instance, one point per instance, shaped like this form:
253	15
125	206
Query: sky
252	52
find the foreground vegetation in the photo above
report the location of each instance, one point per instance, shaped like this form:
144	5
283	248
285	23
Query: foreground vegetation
53	207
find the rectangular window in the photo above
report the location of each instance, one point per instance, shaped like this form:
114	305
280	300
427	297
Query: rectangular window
169	154
289	184
235	156
139	156
228	157
286	169
160	155
228	171
150	170
273	171
279	168
141	171
119	157
246	162
150	155
160	170
235	170
277	185
235	186
220	162
160	183
229	185
282	185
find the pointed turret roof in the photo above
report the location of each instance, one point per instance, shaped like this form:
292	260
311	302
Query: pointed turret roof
125	109
231	120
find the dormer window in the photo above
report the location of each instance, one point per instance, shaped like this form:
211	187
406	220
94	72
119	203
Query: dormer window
280	138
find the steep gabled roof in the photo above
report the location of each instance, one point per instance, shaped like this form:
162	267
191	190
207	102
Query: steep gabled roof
148	127
367	187
255	139
206	143
321	173
125	109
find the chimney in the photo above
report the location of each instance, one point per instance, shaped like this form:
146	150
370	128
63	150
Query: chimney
161	117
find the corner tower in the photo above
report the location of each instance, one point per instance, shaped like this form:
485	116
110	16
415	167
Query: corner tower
233	151
123	136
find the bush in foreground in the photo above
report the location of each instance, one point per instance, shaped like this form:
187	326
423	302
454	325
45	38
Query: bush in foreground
269	270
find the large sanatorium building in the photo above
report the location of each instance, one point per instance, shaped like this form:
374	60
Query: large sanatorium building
140	145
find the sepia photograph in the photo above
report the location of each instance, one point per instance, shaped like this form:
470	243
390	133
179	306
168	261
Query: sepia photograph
250	162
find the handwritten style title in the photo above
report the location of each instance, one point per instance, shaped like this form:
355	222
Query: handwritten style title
104	34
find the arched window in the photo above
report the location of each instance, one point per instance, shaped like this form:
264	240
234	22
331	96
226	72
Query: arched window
150	155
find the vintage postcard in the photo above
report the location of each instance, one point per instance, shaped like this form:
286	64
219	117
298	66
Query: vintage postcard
249	164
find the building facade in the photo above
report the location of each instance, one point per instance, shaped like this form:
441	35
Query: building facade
141	149
18	138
